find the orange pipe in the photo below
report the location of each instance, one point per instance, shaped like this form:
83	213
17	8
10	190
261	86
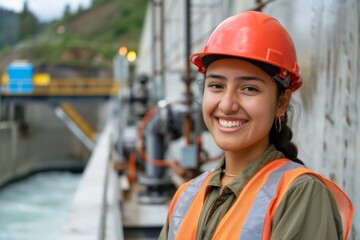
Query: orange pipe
132	167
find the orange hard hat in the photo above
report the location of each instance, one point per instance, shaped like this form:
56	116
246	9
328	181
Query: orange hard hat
254	36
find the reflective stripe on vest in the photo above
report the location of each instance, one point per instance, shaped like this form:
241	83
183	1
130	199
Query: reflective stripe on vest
253	225
184	202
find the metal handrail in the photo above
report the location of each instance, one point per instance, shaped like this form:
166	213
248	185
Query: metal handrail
68	87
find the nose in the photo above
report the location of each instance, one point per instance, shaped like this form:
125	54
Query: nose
229	103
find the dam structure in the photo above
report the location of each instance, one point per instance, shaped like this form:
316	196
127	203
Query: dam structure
142	134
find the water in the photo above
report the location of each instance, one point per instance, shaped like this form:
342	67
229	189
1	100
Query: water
36	207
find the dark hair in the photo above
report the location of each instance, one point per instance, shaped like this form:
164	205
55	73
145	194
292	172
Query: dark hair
282	139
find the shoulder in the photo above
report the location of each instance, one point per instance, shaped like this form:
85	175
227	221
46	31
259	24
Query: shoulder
309	188
309	195
307	207
306	181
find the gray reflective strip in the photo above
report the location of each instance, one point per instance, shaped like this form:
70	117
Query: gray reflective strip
254	223
184	202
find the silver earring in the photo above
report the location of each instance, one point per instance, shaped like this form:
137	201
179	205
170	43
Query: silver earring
278	121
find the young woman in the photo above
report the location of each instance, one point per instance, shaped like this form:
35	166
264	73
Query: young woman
260	189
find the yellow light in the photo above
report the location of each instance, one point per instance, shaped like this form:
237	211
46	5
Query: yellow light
131	56
123	51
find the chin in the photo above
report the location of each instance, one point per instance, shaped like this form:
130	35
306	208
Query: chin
228	146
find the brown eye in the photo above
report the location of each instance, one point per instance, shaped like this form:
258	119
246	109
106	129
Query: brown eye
250	89
215	86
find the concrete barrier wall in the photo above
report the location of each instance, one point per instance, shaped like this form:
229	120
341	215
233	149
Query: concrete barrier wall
18	159
41	142
89	216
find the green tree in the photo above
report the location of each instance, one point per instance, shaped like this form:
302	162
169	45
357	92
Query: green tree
67	11
28	23
80	10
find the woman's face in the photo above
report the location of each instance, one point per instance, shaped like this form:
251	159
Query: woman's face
240	105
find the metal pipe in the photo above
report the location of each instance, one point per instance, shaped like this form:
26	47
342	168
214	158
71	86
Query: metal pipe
162	50
187	38
154	52
158	46
187	77
155	147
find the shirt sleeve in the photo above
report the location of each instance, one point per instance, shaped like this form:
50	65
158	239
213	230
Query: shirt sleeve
308	211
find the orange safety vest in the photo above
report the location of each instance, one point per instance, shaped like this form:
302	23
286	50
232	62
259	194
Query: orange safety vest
257	204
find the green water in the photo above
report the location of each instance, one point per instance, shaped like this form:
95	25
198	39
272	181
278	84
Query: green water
36	207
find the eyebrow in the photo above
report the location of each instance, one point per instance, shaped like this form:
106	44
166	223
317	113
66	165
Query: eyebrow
244	78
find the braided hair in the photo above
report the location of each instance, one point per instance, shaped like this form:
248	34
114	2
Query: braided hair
281	138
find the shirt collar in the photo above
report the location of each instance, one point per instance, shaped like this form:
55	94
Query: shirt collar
239	182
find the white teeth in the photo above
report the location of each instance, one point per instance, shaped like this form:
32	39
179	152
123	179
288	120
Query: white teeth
229	124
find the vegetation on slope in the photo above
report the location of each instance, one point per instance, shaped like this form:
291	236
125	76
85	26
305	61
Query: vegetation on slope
88	38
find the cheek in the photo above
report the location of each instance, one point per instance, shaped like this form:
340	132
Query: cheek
208	105
262	109
205	104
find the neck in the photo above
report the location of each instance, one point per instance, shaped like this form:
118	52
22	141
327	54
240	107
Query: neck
236	162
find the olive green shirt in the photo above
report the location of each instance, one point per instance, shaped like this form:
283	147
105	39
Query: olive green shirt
307	211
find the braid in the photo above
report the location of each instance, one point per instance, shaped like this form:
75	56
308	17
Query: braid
282	139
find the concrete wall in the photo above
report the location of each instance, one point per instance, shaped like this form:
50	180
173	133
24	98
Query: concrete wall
326	35
45	144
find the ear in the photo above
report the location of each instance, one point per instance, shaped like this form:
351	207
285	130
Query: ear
283	103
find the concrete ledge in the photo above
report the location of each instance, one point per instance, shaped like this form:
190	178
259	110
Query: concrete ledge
87	217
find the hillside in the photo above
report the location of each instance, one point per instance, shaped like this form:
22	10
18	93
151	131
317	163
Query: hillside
86	40
8	26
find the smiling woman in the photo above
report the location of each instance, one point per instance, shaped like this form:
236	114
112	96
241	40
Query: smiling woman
259	190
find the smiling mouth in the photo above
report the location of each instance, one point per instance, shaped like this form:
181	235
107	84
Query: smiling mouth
230	124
